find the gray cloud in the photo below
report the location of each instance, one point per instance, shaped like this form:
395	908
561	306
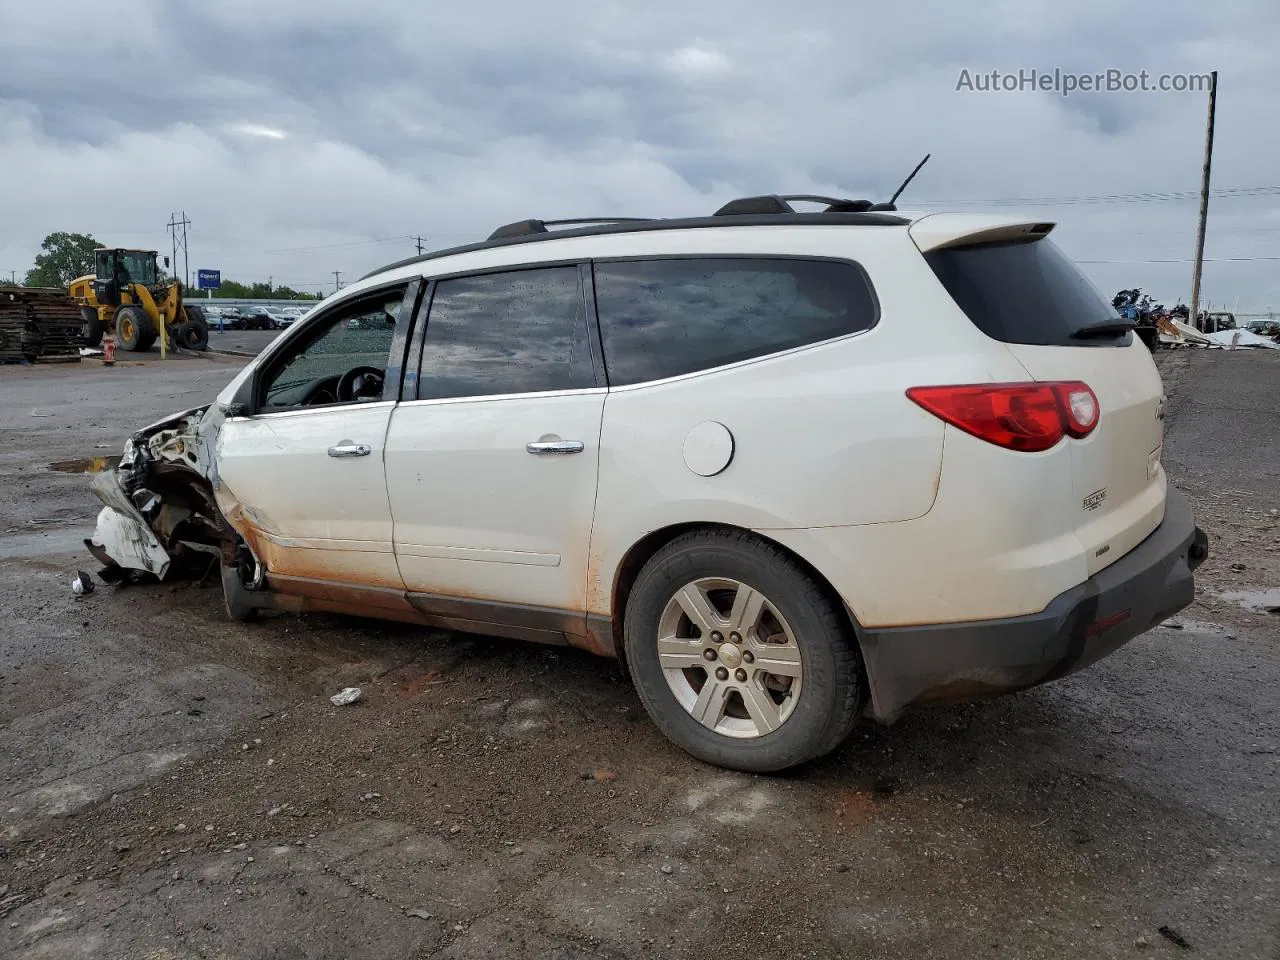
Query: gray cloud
285	127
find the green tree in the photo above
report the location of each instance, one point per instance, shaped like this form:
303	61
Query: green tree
65	257
234	290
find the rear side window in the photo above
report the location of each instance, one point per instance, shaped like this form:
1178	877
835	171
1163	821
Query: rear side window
662	318
524	331
1029	293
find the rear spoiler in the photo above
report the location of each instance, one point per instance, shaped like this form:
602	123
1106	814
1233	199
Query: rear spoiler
939	231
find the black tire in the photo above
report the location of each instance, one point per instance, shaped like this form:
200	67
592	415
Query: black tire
236	597
193	335
92	329
134	330
833	688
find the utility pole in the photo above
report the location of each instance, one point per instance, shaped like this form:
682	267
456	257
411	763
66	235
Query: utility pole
419	240
13	277
337	280
1194	319
180	241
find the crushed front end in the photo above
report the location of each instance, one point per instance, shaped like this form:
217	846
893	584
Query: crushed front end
159	514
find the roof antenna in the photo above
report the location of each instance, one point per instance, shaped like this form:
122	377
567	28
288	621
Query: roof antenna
897	193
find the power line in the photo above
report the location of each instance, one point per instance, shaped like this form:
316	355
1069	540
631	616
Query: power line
1190	260
331	246
1225	193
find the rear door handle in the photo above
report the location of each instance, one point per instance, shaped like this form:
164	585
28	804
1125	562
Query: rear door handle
554	446
346	448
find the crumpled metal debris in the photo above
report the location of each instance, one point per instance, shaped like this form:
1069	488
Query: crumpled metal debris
1236	339
345	697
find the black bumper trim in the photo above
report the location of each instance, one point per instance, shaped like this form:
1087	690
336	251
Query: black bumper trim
1151	583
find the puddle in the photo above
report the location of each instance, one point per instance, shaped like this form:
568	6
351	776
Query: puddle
86	465
1255	601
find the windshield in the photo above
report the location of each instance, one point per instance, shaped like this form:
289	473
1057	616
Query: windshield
141	267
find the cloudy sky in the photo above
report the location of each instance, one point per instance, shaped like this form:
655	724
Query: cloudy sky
307	137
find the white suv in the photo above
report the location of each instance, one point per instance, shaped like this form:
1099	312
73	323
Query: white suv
790	468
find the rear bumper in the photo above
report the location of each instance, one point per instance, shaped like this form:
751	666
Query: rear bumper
907	665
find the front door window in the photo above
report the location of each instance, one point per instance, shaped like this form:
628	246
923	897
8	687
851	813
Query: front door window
343	360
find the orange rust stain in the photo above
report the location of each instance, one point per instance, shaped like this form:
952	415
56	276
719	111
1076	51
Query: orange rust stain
355	609
599	594
852	806
411	680
591	645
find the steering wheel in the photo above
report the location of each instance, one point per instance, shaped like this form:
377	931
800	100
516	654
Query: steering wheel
360	383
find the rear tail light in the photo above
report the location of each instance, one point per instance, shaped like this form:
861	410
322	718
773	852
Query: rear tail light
1080	406
1027	417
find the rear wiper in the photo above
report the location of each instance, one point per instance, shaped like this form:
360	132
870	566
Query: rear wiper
1104	328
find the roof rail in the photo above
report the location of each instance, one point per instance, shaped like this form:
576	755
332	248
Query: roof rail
526	228
535	231
773	203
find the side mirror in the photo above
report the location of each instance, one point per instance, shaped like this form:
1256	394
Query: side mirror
242	402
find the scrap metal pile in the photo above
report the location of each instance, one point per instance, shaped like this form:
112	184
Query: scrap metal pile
38	325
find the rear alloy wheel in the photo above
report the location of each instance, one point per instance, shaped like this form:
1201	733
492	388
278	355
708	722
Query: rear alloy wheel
730	658
134	330
739	656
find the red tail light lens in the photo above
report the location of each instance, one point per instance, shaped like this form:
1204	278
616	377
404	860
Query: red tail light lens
1027	417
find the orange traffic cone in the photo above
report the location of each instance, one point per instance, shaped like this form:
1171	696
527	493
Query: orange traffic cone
108	351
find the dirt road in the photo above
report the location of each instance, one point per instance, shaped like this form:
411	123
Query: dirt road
178	786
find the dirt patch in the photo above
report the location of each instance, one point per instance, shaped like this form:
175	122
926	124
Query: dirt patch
177	785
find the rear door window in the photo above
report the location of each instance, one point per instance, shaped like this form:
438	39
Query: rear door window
1028	293
522	331
665	317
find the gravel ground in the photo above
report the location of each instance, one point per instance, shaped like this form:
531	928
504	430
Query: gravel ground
178	786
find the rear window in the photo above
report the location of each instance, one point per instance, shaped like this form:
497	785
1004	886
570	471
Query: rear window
1028	293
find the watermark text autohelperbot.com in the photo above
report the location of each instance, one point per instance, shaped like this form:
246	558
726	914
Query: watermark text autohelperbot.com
1066	83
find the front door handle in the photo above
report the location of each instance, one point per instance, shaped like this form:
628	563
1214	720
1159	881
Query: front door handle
346	448
554	446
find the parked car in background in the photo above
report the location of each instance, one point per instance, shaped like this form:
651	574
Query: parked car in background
259	318
231	317
790	468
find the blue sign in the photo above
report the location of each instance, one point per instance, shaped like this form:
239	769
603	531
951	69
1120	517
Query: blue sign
208	279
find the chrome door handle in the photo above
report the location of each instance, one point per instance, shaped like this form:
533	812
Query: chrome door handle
554	446
346	448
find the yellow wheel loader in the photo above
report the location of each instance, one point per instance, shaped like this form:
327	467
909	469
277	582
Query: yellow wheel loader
126	297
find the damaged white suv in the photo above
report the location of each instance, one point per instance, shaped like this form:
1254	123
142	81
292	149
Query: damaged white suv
790	468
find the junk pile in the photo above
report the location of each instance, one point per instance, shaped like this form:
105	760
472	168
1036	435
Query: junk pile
39	325
1159	326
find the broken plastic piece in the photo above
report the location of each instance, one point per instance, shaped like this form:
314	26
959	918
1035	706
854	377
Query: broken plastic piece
344	697
82	584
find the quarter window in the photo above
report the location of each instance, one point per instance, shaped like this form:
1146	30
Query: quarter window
661	318
522	331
